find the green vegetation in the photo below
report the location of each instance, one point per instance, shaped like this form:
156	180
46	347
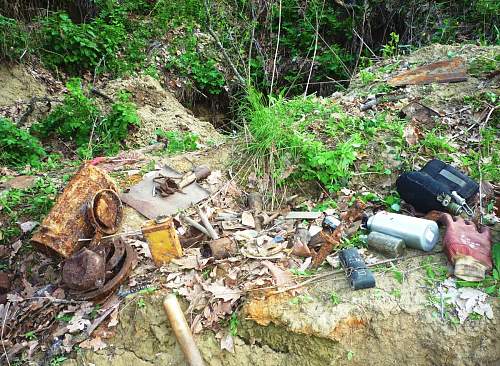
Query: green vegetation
178	141
17	147
335	298
79	120
391	48
13	39
233	324
284	139
30	204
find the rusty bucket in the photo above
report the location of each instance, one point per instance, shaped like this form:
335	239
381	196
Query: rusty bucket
69	221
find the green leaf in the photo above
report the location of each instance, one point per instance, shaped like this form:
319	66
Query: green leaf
350	355
495	254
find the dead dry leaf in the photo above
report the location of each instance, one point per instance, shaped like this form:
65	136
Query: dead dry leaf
227	343
219	291
94	344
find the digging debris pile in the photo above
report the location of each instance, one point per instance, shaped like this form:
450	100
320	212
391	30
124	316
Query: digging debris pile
219	255
254	277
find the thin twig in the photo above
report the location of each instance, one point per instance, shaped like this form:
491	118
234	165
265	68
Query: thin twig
240	79
314	53
276	51
6	313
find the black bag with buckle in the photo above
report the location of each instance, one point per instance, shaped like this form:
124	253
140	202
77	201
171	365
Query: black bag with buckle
421	189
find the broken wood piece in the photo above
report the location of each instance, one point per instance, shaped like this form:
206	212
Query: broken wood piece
300	215
448	71
198	174
333	239
268	219
204	219
186	180
181	330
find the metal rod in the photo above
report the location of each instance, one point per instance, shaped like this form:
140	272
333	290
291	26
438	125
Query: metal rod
194	224
204	219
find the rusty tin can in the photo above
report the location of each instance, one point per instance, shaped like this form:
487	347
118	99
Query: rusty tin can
162	239
68	220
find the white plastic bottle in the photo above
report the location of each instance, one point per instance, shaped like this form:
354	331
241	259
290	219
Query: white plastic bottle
417	233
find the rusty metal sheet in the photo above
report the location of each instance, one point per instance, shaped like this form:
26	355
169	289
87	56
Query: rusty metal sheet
140	197
448	71
333	239
67	221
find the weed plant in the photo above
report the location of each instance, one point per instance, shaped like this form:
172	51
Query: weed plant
78	119
17	147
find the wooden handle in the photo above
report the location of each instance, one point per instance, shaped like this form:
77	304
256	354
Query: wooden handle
181	330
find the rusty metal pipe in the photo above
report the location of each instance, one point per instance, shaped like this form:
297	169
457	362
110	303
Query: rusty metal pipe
181	330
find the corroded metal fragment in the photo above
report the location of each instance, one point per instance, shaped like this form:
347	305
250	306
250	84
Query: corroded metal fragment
448	71
84	271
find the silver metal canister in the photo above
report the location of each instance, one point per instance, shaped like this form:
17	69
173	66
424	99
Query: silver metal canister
417	233
388	245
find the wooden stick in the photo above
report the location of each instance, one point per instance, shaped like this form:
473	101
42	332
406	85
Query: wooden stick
181	330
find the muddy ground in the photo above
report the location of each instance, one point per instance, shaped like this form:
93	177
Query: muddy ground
375	326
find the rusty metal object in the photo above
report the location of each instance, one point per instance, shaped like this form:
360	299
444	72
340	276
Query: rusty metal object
162	239
84	271
201	172
121	273
448	71
333	239
166	186
66	223
105	211
221	248
115	255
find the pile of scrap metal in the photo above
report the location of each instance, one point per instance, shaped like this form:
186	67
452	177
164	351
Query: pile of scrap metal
80	230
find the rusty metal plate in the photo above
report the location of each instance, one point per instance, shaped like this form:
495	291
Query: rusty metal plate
67	221
140	197
449	71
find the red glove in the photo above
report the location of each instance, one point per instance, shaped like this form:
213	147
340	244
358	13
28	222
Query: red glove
467	248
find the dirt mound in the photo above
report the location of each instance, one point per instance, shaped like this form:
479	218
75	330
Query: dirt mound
18	84
158	109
